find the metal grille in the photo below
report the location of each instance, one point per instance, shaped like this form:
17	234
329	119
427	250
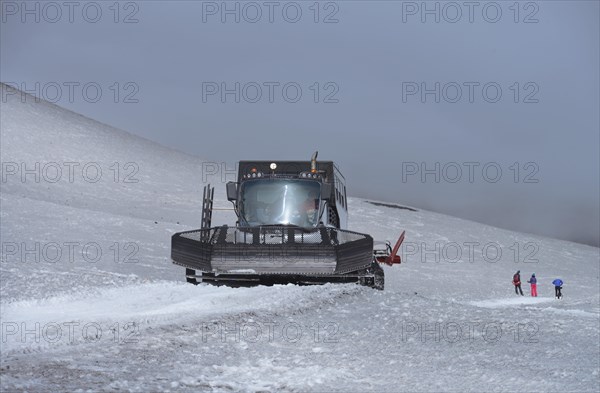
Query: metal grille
273	249
273	235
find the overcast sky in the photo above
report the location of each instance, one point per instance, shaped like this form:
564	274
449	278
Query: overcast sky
510	88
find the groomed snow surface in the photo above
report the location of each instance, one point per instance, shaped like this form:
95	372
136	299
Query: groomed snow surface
91	302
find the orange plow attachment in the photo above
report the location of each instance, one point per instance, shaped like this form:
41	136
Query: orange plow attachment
391	257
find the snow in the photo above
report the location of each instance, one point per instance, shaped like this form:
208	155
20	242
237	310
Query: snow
129	322
497	303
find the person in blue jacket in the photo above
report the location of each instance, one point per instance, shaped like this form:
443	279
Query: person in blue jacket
558	283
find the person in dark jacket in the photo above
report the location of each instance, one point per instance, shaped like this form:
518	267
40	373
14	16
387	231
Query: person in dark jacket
517	282
533	282
558	283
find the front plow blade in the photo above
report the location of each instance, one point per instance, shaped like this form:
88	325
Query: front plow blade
272	250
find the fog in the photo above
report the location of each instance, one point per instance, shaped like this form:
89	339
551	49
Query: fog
483	110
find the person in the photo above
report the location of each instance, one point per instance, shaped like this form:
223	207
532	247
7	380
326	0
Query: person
558	283
533	282
517	282
310	206
311	201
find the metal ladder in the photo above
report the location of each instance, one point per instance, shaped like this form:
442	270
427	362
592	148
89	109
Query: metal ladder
207	208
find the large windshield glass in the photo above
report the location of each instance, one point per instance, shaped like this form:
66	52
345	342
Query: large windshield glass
280	202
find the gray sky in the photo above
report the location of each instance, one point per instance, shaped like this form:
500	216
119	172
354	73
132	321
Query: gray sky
374	61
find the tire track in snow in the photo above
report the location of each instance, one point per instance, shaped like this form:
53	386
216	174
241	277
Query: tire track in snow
150	305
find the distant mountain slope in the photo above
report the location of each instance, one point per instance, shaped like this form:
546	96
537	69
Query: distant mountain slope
82	163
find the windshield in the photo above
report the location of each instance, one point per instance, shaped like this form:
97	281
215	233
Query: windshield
280	202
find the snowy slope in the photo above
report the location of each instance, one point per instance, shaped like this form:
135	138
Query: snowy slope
444	322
